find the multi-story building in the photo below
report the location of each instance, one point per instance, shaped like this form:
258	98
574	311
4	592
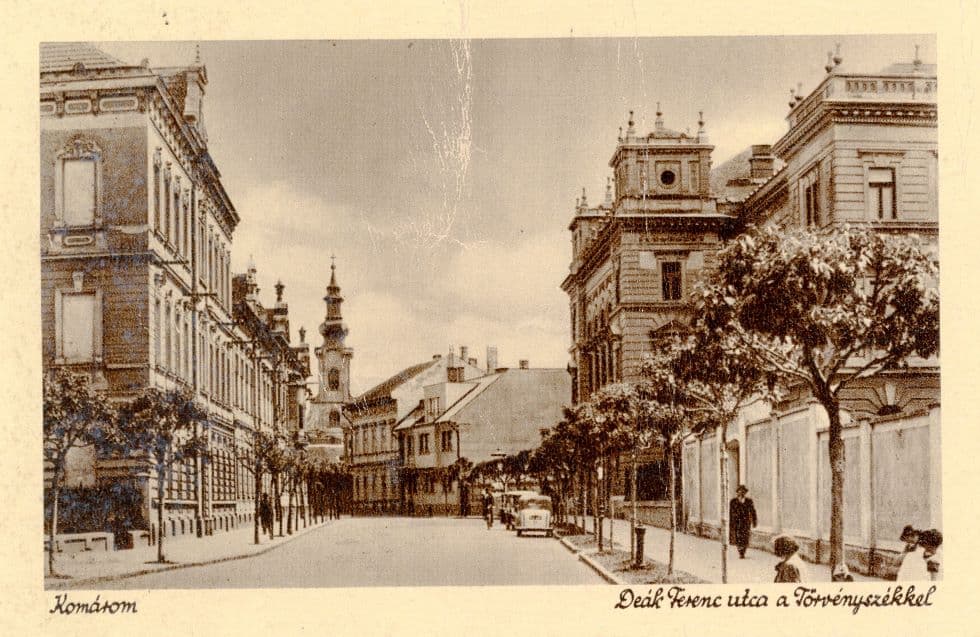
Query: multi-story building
634	260
136	288
501	413
860	149
371	446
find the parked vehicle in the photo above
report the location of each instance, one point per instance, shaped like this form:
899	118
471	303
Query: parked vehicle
534	515
510	506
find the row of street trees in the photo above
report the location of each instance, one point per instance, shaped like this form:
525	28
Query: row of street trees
165	428
817	310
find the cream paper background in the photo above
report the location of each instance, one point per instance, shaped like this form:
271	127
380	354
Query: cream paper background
475	610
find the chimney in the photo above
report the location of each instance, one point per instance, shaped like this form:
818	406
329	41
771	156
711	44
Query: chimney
523	363
463	351
762	161
472	361
491	360
436	357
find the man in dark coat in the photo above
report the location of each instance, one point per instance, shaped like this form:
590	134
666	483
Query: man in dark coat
741	520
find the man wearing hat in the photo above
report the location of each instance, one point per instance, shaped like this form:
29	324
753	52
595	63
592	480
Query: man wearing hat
741	520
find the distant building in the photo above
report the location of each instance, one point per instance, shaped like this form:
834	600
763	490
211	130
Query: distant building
324	428
370	443
504	412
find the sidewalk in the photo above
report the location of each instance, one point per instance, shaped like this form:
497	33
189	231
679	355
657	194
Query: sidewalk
96	567
702	557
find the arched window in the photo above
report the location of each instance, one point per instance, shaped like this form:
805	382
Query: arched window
333	379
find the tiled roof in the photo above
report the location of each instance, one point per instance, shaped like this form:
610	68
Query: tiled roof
63	56
386	387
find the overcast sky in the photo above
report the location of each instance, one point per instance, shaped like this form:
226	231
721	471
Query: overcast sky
443	175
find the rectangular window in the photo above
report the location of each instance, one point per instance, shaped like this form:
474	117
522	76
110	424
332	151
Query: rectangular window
79	192
157	319
423	443
881	184
447	441
409	445
166	204
694	175
670	272
810	198
156	197
78	327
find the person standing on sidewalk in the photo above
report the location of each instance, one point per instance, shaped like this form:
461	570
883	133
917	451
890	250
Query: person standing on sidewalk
488	507
913	567
741	520
265	514
790	568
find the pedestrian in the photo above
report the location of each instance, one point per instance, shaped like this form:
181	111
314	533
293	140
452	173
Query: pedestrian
790	567
741	520
265	514
488	507
930	541
913	567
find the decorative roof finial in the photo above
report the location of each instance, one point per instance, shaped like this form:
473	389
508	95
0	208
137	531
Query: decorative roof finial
630	130
302	335
829	66
792	98
620	138
916	61
333	271
251	263
837	58
197	54
585	202
608	189
799	92
279	288
659	122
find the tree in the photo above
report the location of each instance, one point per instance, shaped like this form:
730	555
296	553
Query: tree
824	309
74	416
160	425
621	410
256	458
719	378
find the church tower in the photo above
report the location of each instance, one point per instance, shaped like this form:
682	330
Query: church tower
333	359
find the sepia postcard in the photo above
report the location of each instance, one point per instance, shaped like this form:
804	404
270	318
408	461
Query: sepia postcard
440	329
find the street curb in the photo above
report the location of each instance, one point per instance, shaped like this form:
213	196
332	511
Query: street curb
600	569
76	583
584	556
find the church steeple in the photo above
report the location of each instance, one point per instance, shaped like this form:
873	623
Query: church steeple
334	355
333	327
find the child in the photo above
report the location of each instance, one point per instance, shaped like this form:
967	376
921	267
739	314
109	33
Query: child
913	568
790	568
930	541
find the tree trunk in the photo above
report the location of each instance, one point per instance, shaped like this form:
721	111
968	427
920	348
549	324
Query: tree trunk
257	496
160	479
289	509
633	522
673	510
53	528
723	501
609	502
836	448
277	491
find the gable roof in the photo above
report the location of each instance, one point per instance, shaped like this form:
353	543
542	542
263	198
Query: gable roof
385	388
63	56
479	386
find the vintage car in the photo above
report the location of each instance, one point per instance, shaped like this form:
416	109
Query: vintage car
510	506
534	515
